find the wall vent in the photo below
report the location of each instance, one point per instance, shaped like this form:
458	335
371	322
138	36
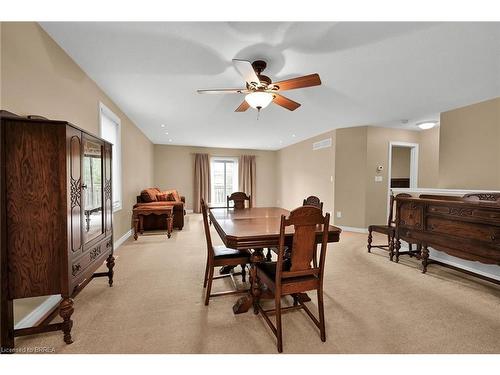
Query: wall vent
324	143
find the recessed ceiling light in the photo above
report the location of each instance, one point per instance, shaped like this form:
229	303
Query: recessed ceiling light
293	135
162	125
427	125
281	141
166	133
170	140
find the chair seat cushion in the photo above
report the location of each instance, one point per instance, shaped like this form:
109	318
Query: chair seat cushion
269	268
381	229
222	252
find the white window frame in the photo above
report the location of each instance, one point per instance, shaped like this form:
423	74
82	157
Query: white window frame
233	159
117	156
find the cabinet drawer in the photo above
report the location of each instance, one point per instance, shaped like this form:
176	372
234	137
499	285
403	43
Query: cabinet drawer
93	257
411	215
466	230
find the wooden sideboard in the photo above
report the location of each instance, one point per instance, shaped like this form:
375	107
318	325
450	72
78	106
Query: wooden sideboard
466	227
52	173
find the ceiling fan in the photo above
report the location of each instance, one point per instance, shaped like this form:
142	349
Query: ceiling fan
260	90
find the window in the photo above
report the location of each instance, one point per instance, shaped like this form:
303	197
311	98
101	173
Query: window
110	128
224	179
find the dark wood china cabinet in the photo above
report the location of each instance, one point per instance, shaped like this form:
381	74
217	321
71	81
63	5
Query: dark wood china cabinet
55	215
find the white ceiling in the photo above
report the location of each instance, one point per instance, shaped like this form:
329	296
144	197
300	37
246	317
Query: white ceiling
372	74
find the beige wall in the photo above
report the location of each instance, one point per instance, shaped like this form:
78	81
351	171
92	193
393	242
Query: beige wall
428	158
470	147
400	162
359	152
350	176
174	168
38	77
302	172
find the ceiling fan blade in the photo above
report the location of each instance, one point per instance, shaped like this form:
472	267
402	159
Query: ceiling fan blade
243	107
285	102
222	91
246	70
299	82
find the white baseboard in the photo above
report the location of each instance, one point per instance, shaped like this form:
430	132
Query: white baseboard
39	312
122	239
189	211
352	229
51	302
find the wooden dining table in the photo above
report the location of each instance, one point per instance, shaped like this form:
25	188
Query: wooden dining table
256	228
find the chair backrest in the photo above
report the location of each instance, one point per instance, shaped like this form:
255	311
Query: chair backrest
313	201
392	202
239	199
204	211
306	220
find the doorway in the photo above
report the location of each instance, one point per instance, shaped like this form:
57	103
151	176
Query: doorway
402	170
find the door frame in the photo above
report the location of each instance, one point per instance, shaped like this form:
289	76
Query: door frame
413	166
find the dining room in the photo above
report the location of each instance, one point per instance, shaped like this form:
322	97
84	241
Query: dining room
305	191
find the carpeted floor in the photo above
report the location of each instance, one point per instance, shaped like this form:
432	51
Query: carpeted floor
372	306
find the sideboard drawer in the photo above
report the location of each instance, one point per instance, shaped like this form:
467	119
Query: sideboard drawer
411	215
462	229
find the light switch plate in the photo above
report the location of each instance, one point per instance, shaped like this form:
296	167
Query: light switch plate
378	178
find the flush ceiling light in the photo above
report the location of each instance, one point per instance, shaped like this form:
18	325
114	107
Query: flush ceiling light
259	99
427	125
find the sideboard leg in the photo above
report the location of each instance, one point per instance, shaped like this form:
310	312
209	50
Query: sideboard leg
425	257
65	311
110	263
369	245
396	247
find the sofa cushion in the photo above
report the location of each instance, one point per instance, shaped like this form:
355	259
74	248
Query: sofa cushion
162	197
149	195
174	193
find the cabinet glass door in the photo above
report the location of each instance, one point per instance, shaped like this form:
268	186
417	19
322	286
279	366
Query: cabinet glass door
92	182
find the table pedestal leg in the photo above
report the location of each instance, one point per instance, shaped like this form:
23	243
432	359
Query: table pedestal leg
245	303
141	224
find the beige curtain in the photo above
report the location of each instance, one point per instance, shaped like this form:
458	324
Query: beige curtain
247	176
201	180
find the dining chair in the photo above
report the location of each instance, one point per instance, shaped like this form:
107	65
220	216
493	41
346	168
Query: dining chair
221	256
309	201
239	199
389	230
296	276
313	201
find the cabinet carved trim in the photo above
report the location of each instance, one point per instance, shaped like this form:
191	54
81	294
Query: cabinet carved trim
75	269
95	252
76	193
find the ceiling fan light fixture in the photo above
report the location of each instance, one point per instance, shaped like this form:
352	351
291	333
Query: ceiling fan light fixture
259	99
427	125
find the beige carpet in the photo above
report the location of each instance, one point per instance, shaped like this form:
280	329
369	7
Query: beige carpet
372	306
